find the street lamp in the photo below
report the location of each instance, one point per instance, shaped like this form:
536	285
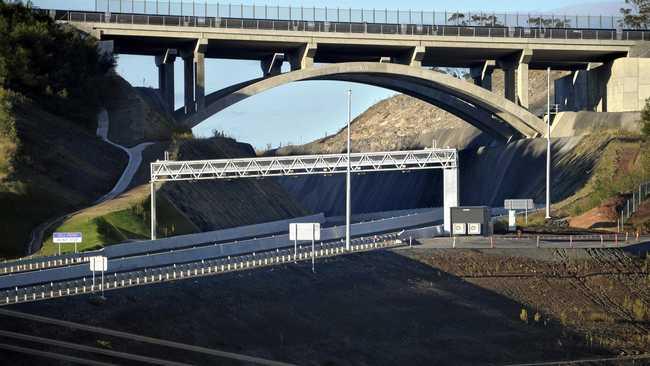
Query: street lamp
548	144
348	203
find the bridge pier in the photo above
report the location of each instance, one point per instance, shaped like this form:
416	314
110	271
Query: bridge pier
194	76
413	57
165	64
482	74
303	57
272	65
516	77
450	195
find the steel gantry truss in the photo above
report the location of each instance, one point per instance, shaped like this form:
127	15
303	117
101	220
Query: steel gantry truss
165	171
171	171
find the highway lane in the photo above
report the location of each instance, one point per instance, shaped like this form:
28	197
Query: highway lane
205	267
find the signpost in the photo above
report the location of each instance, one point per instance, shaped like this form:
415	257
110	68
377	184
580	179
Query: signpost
305	231
517	204
66	238
98	264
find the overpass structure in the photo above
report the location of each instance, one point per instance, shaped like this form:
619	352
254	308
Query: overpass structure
370	49
443	159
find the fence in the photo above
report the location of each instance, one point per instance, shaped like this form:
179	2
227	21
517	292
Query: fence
632	205
346	15
347	27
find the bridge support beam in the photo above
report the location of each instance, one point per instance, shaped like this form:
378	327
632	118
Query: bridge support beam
272	65
450	195
165	64
482	74
303	57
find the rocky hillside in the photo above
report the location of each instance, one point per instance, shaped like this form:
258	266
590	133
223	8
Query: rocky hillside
403	122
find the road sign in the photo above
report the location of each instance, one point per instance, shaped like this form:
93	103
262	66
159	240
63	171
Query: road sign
521	204
306	231
67	238
98	264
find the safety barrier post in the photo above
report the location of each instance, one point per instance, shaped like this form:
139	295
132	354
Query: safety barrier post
538	241
453	243
571	241
602	242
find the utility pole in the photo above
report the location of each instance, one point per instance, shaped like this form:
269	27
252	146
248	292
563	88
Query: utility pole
548	144
348	203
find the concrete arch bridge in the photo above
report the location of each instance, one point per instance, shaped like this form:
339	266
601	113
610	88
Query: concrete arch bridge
489	112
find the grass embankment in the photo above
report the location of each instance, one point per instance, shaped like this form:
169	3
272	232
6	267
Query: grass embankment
126	218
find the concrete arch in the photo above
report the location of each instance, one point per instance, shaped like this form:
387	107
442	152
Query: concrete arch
487	111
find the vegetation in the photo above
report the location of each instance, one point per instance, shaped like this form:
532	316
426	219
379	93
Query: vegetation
645	119
116	224
549	22
637	15
57	67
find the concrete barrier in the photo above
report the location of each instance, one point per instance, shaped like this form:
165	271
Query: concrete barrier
211	251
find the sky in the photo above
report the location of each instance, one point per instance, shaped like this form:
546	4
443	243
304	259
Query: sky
301	112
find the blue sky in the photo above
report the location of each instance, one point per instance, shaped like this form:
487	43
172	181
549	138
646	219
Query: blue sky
304	111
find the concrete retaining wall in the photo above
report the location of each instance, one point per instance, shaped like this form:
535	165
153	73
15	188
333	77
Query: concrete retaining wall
622	85
569	124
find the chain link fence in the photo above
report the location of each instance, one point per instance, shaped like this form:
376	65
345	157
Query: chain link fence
633	204
346	15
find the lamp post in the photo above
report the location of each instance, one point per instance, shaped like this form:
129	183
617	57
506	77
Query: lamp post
348	203
548	144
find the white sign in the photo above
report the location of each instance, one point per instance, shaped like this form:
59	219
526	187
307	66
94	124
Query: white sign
307	231
524	204
98	264
512	220
474	229
67	238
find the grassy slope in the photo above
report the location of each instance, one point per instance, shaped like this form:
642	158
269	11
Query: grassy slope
120	220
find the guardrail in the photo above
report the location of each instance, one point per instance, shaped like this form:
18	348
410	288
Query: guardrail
201	268
461	30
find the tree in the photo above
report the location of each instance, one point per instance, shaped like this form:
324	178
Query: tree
543	22
486	20
637	16
645	119
457	19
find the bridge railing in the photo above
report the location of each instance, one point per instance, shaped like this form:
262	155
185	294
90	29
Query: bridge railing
214	9
349	27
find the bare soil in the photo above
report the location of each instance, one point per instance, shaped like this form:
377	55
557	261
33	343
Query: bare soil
408	307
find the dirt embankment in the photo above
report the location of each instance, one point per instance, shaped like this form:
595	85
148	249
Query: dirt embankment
603	294
409	307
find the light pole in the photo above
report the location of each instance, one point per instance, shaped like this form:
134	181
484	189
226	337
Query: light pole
548	144
348	203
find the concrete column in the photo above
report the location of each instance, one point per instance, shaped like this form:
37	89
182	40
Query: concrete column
199	81
199	73
188	82
303	57
515	71
510	84
482	74
165	65
522	77
272	65
450	195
